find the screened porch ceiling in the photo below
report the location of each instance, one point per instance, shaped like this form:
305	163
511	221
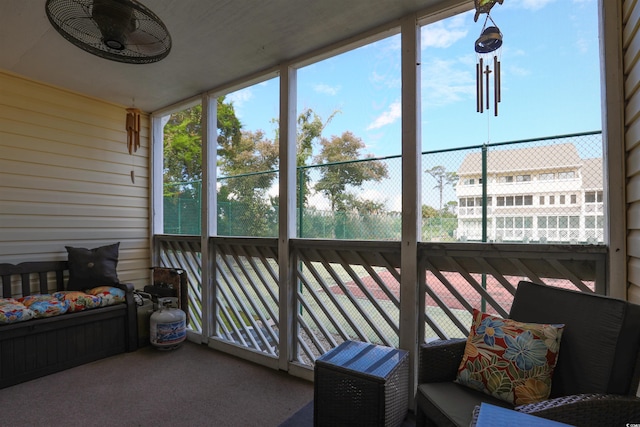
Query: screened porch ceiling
215	43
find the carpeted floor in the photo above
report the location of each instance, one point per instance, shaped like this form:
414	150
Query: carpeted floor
191	386
304	418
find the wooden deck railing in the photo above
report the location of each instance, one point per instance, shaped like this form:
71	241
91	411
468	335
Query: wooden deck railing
351	289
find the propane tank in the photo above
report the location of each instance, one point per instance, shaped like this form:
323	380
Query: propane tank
168	326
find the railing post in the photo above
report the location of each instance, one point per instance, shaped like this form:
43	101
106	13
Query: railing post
286	219
411	196
300	201
484	215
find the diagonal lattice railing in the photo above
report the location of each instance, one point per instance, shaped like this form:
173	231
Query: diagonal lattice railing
460	277
351	289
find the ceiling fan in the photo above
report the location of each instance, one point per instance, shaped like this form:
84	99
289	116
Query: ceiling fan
119	30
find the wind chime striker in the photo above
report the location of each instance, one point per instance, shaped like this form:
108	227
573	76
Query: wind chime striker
488	53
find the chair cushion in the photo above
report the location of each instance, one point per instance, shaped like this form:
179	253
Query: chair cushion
510	360
452	401
593	325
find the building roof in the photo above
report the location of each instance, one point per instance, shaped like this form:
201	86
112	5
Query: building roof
503	160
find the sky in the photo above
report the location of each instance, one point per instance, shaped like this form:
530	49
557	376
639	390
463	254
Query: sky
550	84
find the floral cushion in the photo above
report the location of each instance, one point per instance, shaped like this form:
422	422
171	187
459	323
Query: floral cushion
44	305
109	295
77	300
12	311
510	360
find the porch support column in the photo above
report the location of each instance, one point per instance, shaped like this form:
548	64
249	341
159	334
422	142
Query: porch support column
208	211
411	194
613	140
287	216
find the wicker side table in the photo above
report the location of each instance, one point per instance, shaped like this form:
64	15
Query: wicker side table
361	384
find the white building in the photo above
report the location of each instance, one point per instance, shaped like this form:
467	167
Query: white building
544	194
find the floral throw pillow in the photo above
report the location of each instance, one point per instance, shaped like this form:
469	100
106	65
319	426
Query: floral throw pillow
510	360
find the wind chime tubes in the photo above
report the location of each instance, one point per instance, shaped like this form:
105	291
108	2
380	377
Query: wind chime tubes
487	49
133	129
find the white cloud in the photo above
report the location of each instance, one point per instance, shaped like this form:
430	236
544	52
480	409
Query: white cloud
535	4
518	71
393	113
443	34
445	82
239	99
326	89
396	203
373	195
319	201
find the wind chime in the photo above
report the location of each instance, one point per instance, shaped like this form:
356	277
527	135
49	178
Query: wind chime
133	135
133	129
488	53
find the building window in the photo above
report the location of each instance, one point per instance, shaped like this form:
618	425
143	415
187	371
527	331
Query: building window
562	199
552	200
546	176
509	201
559	228
514	228
505	178
566	175
542	200
523	178
523	200
593	197
574	199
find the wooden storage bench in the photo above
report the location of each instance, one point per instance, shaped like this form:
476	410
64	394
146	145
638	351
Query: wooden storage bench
38	347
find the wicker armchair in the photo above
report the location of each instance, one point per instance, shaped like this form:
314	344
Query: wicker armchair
596	378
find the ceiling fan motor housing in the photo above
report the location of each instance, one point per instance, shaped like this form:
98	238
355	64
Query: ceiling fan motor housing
115	20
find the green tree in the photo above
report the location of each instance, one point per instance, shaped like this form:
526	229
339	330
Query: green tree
182	164
183	141
183	146
429	211
248	163
443	178
345	150
309	129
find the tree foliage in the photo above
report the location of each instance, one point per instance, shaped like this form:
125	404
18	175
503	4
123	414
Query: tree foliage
443	178
246	163
336	178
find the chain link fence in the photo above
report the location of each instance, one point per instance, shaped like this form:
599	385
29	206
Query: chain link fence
546	190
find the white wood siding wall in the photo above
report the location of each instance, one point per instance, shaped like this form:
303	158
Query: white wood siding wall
631	55
65	178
